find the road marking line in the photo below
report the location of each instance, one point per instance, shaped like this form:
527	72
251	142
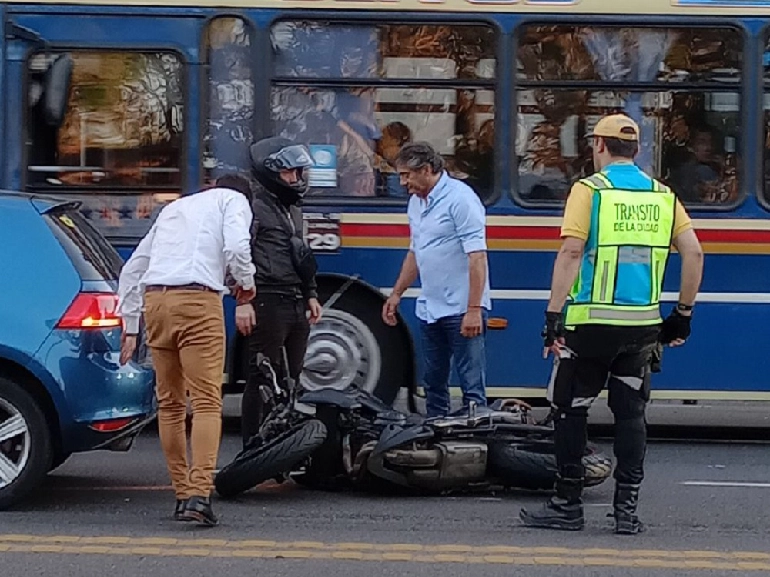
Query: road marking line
725	484
574	560
413	553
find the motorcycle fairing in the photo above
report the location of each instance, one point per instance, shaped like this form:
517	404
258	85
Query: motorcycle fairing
332	397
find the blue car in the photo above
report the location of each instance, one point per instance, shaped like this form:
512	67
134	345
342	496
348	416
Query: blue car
62	389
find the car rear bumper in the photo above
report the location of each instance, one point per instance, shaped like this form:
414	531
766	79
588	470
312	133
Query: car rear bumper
100	403
123	440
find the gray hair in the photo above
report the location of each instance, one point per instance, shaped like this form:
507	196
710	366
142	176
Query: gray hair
415	155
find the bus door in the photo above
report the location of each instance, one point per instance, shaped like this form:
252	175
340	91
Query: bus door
100	110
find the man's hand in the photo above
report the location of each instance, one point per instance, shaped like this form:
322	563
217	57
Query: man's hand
245	318
127	347
471	325
553	333
245	295
389	310
675	329
316	310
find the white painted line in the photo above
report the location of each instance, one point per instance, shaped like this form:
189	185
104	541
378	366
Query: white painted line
544	295
725	484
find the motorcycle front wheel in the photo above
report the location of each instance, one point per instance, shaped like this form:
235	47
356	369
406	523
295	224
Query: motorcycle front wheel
533	466
270	459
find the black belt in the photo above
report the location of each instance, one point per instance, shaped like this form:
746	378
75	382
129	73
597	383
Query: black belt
182	287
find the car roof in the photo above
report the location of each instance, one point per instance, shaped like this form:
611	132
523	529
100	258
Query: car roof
42	202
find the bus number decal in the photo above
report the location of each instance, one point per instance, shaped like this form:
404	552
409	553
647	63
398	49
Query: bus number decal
322	232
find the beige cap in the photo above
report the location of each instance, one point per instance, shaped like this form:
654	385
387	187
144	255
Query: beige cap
617	126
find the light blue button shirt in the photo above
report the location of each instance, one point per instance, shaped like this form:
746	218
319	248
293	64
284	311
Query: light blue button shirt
444	228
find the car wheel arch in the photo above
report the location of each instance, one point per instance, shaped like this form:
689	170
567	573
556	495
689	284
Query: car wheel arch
34	386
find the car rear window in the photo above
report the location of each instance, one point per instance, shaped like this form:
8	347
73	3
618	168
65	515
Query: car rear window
94	258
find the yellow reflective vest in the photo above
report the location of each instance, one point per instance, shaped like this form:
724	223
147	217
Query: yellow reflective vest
628	245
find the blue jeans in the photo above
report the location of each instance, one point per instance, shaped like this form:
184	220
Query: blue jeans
442	343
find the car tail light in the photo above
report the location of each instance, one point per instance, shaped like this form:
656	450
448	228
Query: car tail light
91	311
110	426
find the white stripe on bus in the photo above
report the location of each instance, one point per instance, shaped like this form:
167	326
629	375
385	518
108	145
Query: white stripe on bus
543	295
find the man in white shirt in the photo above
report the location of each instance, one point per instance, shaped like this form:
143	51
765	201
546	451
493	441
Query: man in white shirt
178	273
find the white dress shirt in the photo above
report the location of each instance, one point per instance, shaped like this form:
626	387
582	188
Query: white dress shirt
195	239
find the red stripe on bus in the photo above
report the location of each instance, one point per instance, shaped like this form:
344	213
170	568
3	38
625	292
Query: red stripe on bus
547	233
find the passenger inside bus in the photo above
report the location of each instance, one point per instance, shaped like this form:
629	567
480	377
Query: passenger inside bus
696	179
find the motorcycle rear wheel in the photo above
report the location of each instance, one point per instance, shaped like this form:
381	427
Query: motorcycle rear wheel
270	459
533	466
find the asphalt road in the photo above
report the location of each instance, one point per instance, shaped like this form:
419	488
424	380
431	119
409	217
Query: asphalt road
707	508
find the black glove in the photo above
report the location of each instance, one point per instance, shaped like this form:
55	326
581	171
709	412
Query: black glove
675	326
554	328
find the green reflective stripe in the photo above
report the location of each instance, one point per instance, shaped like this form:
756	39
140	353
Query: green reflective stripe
655	185
605	266
578	314
607	183
623	315
595	182
659	258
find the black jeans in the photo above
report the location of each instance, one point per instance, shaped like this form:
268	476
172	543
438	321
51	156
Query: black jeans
281	322
595	357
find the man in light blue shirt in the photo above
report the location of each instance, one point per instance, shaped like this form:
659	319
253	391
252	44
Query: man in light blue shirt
447	251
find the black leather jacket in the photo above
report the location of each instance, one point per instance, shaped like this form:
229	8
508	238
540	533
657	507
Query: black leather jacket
271	232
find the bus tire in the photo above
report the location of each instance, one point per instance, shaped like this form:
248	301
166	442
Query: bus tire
270	459
534	466
351	345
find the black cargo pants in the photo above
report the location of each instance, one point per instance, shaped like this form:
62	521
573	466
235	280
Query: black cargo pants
595	357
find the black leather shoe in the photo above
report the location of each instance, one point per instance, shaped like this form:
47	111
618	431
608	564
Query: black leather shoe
179	509
199	509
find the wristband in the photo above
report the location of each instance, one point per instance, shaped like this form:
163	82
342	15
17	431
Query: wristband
683	307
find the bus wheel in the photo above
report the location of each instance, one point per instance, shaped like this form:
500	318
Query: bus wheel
351	345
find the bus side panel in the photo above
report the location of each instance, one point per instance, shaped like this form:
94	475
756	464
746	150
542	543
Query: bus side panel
521	282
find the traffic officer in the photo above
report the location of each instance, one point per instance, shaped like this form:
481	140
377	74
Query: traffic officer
617	230
285	271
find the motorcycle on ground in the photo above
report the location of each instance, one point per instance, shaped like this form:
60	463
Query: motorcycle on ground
332	439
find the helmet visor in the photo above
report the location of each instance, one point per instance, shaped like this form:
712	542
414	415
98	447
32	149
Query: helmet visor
289	158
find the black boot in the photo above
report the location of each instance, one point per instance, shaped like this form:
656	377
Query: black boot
563	511
624	504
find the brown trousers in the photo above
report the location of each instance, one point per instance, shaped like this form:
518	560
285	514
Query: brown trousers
186	334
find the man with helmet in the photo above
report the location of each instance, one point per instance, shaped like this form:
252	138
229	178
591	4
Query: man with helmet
285	270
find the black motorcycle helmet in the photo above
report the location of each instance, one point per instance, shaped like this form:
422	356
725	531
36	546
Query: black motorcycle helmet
270	156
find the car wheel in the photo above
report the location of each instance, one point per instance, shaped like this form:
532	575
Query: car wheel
26	452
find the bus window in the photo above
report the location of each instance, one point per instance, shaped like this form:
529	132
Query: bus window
390	88
122	128
230	114
680	84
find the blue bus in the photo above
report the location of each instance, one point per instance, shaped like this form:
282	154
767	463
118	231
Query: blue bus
126	106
